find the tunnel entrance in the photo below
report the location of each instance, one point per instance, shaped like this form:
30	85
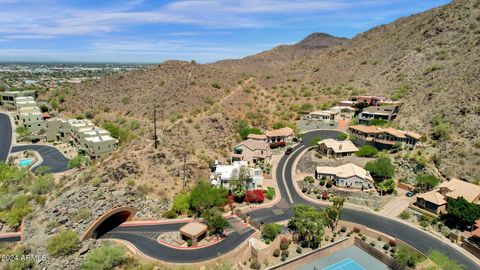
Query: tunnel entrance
109	221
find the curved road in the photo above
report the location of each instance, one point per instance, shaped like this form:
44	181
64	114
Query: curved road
5	136
52	157
421	240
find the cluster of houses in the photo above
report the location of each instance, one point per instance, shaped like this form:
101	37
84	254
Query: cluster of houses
248	156
383	138
379	108
436	200
89	139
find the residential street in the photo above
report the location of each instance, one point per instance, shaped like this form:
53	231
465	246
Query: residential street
5	136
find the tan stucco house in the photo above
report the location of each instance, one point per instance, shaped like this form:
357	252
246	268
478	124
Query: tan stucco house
336	149
252	151
346	176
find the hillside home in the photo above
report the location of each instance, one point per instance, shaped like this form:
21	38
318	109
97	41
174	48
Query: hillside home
326	116
280	135
7	99
386	113
343	112
436	200
346	176
383	137
252	151
370	100
225	174
336	149
57	130
98	146
259	137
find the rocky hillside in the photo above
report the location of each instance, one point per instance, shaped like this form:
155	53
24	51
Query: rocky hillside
429	61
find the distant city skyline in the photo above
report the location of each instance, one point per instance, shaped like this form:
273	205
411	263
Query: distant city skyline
139	31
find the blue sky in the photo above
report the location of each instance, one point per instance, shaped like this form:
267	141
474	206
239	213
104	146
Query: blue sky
203	30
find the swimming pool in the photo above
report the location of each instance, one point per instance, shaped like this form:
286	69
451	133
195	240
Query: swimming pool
350	258
25	162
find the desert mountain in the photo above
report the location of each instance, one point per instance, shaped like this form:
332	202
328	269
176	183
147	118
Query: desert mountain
429	61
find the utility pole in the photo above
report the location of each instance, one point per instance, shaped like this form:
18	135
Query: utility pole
184	170
155	141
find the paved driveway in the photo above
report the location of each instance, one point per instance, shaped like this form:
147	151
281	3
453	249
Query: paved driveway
52	157
5	136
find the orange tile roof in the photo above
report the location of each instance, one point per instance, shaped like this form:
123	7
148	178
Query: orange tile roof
392	131
282	132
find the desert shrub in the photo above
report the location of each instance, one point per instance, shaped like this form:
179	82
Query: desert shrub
342	136
343	229
372	244
63	243
392	243
276	252
170	214
104	258
386	246
42	185
286	252
407	257
322	182
284	243
189	242
270	193
255	264
443	261
309	179
121	134
271	231
367	151
299	250
75	162
364	238
254	196
405	215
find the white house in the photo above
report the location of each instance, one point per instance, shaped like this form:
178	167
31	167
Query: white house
348	175
224	174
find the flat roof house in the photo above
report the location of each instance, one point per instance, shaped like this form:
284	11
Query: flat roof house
280	135
336	149
224	174
436	200
382	137
99	146
326	116
252	151
346	176
7	99
370	100
57	130
386	113
344	112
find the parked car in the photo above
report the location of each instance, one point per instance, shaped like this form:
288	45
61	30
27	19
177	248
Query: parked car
288	151
410	194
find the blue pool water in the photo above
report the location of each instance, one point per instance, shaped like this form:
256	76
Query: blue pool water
25	162
347	264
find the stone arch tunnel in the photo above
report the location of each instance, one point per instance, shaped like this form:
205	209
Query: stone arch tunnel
108	221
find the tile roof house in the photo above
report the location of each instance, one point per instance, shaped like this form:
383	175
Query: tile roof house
252	151
336	149
436	200
386	113
260	137
382	137
280	135
348	175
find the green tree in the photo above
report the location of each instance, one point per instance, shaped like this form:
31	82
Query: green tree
42	185
386	186
426	182
23	132
203	196
215	220
63	243
15	214
306	108
463	211
407	257
181	202
334	212
308	224
270	231
244	129
315	140
367	151
75	162
121	134
105	258
342	136
381	169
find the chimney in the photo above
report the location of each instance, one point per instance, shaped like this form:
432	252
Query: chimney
340	147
